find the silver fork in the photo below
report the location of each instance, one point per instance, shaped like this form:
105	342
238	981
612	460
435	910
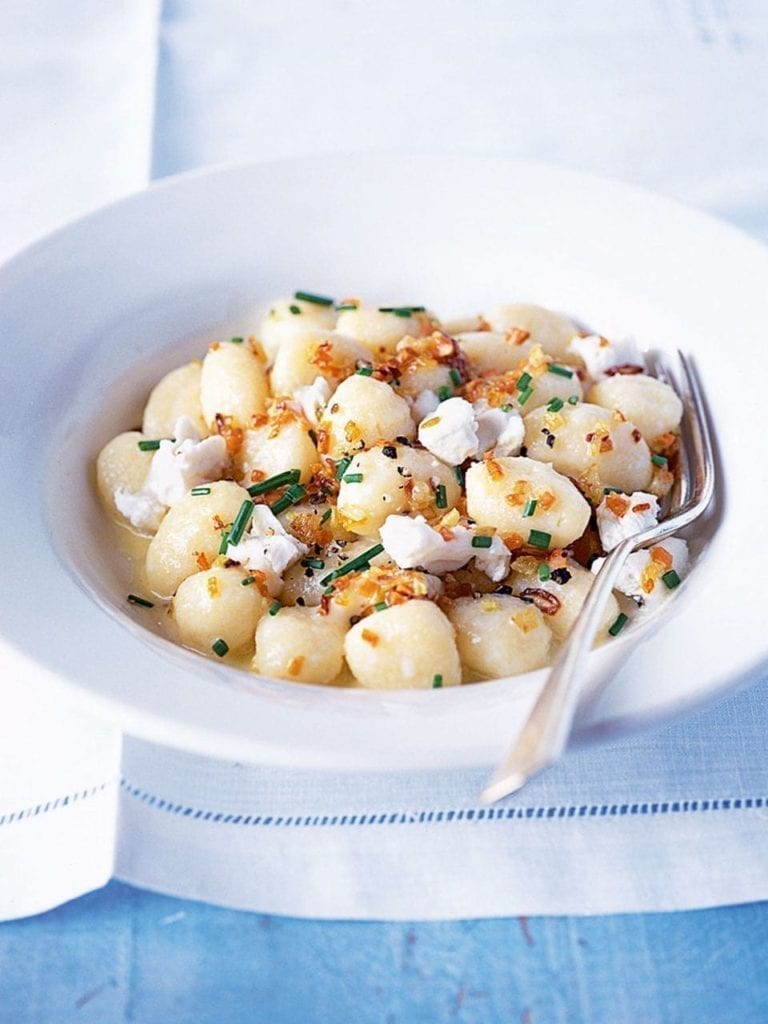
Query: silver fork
545	734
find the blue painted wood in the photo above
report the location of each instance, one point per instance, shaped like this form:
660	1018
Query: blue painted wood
123	955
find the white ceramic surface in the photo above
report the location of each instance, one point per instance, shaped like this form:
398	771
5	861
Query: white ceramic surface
91	316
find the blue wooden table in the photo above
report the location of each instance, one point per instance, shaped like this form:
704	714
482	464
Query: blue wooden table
123	955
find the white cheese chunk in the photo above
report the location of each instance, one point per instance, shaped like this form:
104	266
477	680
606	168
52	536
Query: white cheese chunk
267	547
600	354
412	542
641	578
142	510
311	399
621	515
450	433
502	430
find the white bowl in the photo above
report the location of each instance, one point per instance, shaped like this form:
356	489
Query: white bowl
91	317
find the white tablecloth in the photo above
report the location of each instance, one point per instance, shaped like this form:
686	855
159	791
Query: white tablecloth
96	98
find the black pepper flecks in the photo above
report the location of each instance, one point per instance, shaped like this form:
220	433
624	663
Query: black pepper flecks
560	576
390	451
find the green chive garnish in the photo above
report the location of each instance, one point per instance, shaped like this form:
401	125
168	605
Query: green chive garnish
345	306
530	508
224	542
237	341
134	599
328	591
342	466
313	563
561	371
381	606
458	472
671	579
360	562
555	405
247	581
198	492
506	407
292	496
319	300
441	498
618	625
148	446
523	381
444	392
275	607
240	525
659	460
524	395
353	478
437	681
290	476
220	647
295	309
544	572
482	542
455	376
326	516
539	539
573	400
364	371
401	310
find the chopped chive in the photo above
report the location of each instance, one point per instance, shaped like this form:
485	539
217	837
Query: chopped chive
437	681
326	516
523	381
224	542
313	563
544	572
240	525
319	300
441	498
612	490
458	472
573	400
342	466
444	392
455	376
220	647
345	306
530	508
290	476
134	599
353	478
295	309
247	581
198	492
401	310
561	371
524	395
555	405
294	494
381	606
275	607
671	579
360	562
539	539
328	591
237	341
364	371
148	446
506	407
618	625
482	542
659	460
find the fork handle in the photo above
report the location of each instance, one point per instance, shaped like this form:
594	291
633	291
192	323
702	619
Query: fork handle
545	733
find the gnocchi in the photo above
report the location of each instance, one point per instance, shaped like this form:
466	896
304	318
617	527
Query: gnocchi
304	509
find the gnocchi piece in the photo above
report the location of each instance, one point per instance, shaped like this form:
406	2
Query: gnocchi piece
649	403
594	445
121	465
389	479
494	351
500	635
282	322
268	449
415	379
299	644
233	384
189	536
309	354
501	493
363	411
378	331
561	596
176	395
551	330
410	645
548	386
215	605
302	582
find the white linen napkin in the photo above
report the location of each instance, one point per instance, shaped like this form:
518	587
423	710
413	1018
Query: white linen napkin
670	96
